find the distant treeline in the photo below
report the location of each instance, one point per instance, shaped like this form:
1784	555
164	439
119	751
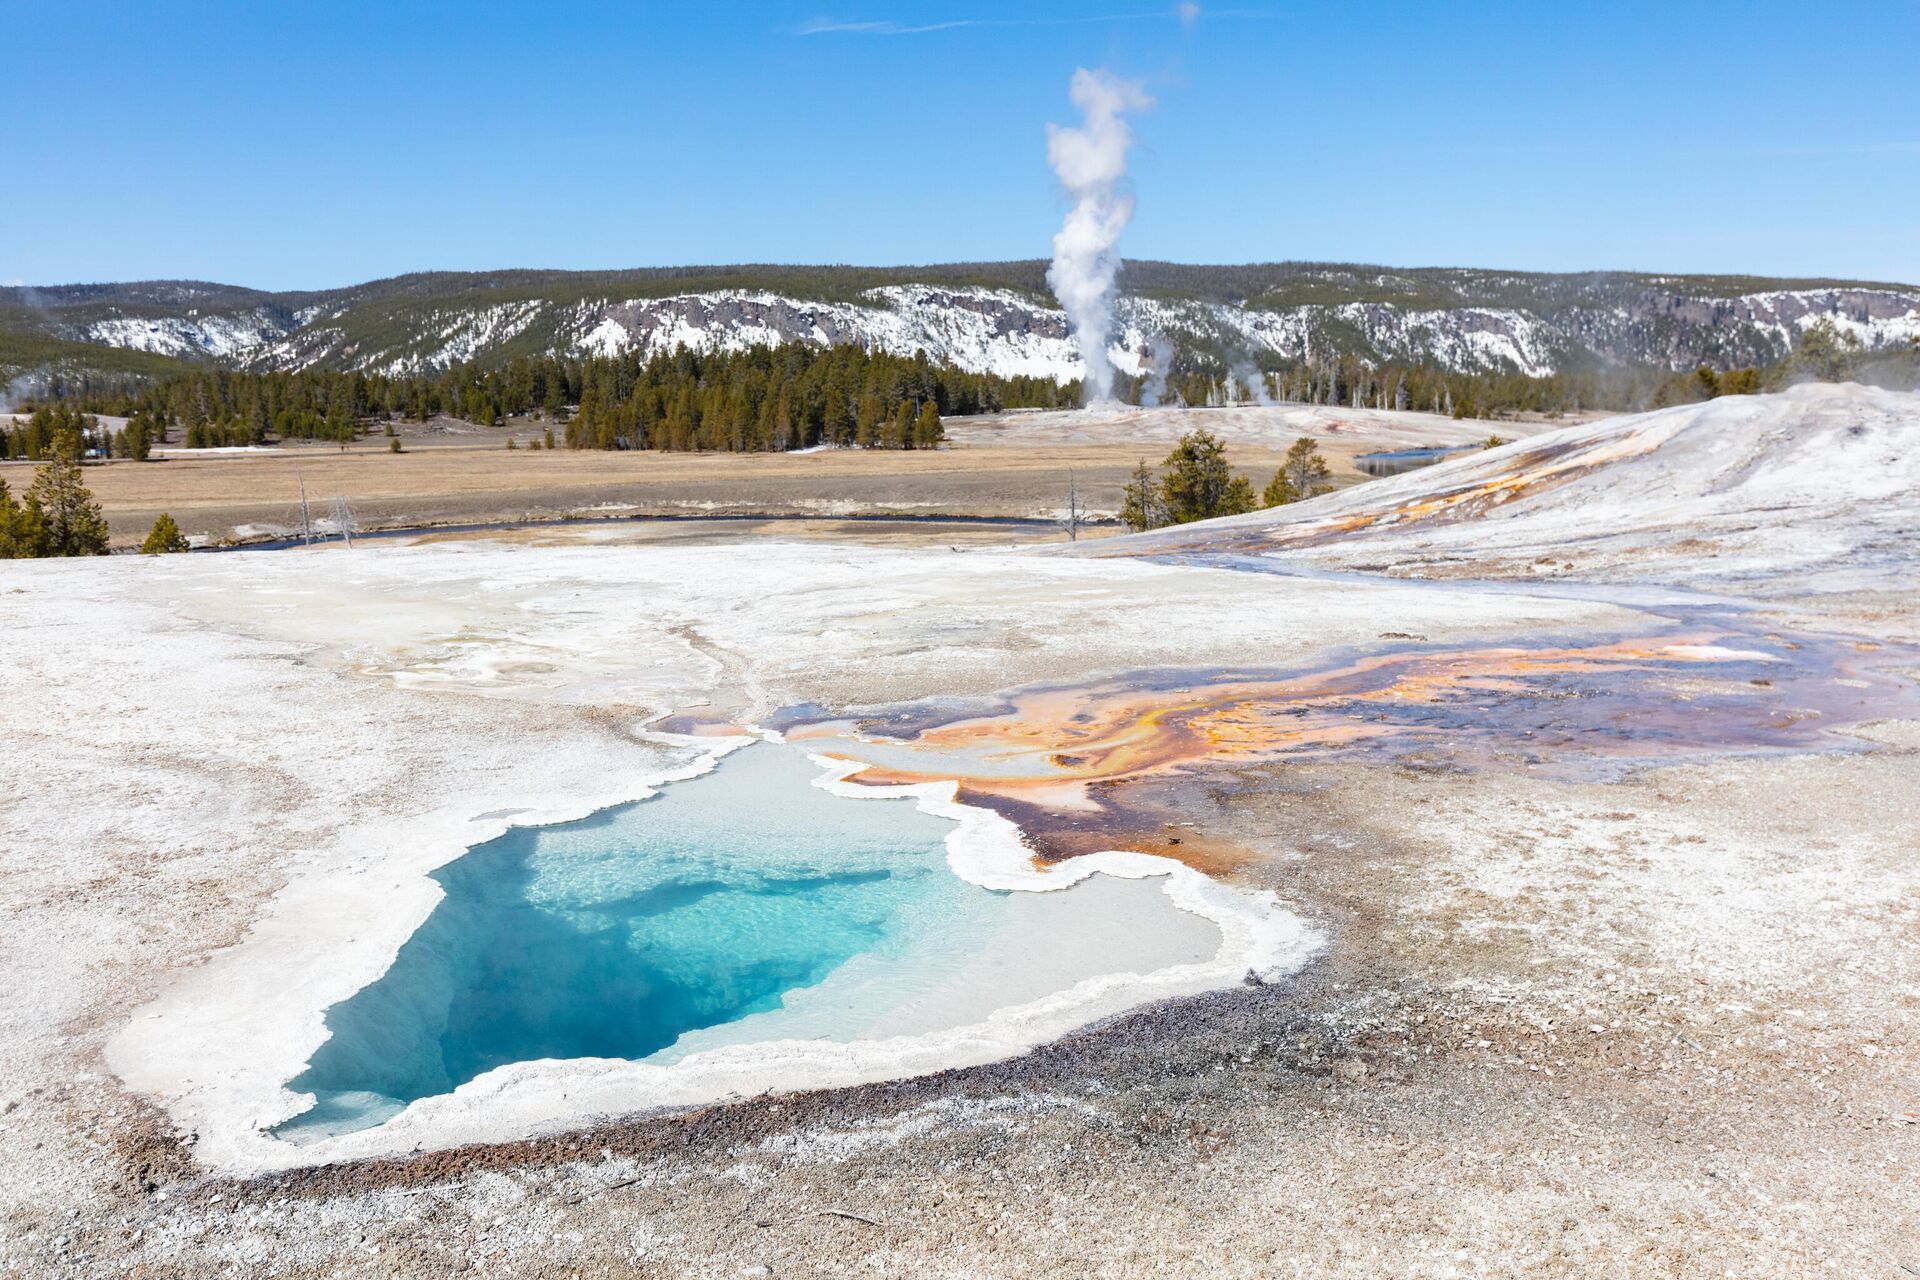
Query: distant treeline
760	399
1353	383
788	397
773	398
53	430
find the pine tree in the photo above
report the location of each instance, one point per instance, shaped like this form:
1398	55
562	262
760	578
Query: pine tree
680	422
898	433
866	430
1279	491
1199	484
165	539
837	420
1826	352
16	540
134	441
67	446
783	434
929	431
1140	505
1304	471
68	520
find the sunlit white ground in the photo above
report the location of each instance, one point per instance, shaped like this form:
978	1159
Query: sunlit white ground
329	725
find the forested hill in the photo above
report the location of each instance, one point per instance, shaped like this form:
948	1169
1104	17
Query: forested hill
994	318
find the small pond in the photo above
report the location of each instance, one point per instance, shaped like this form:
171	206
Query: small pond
1392	462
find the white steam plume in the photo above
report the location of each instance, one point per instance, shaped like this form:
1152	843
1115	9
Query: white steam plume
1160	358
1091	163
18	390
1256	382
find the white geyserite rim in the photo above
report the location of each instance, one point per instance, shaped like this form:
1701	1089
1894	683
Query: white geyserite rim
218	1048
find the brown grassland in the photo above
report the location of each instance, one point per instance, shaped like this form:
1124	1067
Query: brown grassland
225	497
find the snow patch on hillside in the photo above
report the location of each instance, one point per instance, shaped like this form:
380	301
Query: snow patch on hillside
1875	327
608	338
980	330
459	336
223	337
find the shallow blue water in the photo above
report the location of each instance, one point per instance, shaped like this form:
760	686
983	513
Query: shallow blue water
1392	462
614	936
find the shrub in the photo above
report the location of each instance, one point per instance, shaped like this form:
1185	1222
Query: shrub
166	538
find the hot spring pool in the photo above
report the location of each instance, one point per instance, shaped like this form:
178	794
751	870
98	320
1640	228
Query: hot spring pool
1393	462
743	906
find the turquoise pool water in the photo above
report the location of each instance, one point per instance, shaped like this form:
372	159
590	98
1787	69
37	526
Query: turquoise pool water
612	936
743	904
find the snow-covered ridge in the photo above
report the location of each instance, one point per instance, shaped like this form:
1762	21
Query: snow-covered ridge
1000	331
1005	333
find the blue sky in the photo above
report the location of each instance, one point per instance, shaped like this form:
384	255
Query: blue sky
295	146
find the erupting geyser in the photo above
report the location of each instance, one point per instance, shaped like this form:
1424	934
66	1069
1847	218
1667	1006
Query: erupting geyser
1091	163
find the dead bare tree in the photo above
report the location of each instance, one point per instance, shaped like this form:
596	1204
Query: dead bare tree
343	519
